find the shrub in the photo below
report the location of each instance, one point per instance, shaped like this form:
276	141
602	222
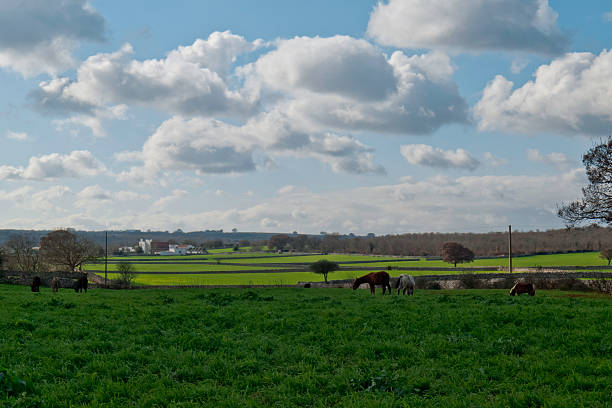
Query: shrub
126	273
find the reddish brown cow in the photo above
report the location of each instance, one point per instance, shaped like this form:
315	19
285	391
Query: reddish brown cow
520	287
374	278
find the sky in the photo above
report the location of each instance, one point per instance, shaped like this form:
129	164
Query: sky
346	116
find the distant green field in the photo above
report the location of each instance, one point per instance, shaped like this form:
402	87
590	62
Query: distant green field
179	267
182	264
303	348
277	278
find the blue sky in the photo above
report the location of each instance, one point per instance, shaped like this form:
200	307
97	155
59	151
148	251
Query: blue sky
279	116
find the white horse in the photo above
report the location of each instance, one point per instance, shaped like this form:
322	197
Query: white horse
406	284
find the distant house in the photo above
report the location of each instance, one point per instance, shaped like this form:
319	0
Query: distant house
159	246
145	244
153	247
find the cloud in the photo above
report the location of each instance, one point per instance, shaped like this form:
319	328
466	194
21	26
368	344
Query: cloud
568	96
18	196
189	81
475	203
337	65
38	36
425	98
479	25
209	146
79	163
494	161
608	16
19	136
164	202
424	155
518	65
556	159
95	196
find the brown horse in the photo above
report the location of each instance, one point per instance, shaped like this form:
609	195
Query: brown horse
36	284
374	278
54	284
81	284
519	288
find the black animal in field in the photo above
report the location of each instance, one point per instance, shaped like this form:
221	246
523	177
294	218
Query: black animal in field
35	284
81	284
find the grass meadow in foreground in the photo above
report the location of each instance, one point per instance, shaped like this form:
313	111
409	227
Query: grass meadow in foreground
303	347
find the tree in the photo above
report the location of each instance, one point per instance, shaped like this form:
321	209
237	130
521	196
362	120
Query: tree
278	241
606	254
596	203
65	248
454	252
24	256
323	267
126	273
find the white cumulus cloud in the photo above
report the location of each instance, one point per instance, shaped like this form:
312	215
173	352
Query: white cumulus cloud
424	155
39	36
79	163
571	95
471	25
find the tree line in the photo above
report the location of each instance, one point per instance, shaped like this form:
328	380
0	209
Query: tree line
591	238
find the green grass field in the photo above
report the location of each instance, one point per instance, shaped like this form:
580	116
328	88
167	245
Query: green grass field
303	348
184	264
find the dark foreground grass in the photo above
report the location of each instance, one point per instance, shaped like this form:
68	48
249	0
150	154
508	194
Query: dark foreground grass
303	347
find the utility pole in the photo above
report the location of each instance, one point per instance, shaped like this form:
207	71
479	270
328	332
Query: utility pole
105	256
510	247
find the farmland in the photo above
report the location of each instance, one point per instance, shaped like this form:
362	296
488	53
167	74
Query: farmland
304	347
275	269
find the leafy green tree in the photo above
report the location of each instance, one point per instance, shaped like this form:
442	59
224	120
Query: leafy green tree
126	273
323	267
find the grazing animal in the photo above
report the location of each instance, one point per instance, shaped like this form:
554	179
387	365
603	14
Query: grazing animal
405	283
81	284
35	284
519	288
374	278
54	284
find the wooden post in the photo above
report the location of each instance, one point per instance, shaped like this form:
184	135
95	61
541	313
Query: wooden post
510	248
105	256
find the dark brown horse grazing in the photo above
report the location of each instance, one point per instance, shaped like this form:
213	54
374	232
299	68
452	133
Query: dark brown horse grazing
519	288
36	284
81	284
374	278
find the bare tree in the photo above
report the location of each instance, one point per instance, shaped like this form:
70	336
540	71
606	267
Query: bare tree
278	241
23	256
454	252
596	204
66	249
606	254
